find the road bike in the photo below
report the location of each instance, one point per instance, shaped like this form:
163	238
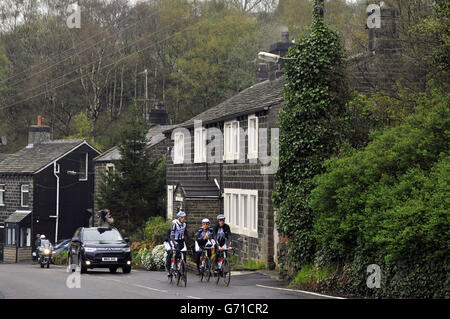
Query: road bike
205	267
223	267
178	271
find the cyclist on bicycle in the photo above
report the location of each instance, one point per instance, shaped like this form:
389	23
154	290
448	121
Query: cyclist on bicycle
203	238
178	236
222	237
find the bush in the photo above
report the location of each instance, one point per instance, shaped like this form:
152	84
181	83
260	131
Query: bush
61	258
156	229
154	259
388	204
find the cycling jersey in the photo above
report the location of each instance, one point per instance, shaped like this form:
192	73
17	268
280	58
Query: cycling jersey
222	235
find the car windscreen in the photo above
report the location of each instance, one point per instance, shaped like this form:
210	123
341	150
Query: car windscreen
102	236
62	243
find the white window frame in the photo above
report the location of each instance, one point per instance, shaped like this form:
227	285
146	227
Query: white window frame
200	139
169	213
178	149
81	179
250	227
231	140
252	133
2	194
22	191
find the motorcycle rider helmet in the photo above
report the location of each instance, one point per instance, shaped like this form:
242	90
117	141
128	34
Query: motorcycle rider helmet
181	214
221	217
206	221
42	236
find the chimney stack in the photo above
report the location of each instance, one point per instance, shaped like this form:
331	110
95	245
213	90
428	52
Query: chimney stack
158	115
38	133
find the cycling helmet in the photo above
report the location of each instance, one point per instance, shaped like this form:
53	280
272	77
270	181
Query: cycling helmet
181	214
205	221
220	217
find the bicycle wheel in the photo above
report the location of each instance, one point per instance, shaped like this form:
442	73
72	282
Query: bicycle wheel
226	272
182	275
207	271
170	278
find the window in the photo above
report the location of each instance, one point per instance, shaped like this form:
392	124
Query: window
244	211
25	237
254	212
252	137
10	236
84	167
110	168
178	150
241	211
231	145
236	209
200	145
170	202
2	194
25	195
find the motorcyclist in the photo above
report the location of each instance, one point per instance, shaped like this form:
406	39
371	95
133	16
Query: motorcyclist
222	237
105	219
179	235
203	238
44	243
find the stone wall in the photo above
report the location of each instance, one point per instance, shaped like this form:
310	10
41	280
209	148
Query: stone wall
13	193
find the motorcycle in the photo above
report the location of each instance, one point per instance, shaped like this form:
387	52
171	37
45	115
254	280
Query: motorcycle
45	256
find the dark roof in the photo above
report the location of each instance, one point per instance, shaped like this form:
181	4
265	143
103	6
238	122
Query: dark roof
31	159
113	154
252	99
2	156
17	216
154	136
201	188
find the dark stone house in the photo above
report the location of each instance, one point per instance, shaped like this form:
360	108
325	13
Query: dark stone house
45	188
221	163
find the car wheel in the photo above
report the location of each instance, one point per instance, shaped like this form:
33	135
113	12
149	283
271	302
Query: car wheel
126	269
83	269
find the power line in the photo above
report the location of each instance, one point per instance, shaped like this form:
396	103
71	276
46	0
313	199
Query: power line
101	68
76	53
92	62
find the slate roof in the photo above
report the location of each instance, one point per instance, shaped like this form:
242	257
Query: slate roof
17	216
200	188
154	136
2	156
252	99
113	154
30	160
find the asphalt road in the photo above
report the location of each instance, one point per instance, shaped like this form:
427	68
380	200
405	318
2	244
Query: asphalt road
30	281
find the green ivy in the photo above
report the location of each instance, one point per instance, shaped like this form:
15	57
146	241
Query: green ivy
311	125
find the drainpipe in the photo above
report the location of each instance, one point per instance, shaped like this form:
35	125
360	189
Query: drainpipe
56	172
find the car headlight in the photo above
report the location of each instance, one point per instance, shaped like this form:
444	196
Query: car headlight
89	249
126	249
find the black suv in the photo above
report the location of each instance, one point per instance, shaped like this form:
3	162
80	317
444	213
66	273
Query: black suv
96	247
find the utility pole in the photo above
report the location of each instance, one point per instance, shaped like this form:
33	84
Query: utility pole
146	95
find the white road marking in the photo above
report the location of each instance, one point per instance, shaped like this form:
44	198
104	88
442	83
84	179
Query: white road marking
150	288
302	291
192	297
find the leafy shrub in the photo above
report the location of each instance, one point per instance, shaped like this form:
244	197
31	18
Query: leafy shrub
154	259
61	258
156	229
388	204
147	259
